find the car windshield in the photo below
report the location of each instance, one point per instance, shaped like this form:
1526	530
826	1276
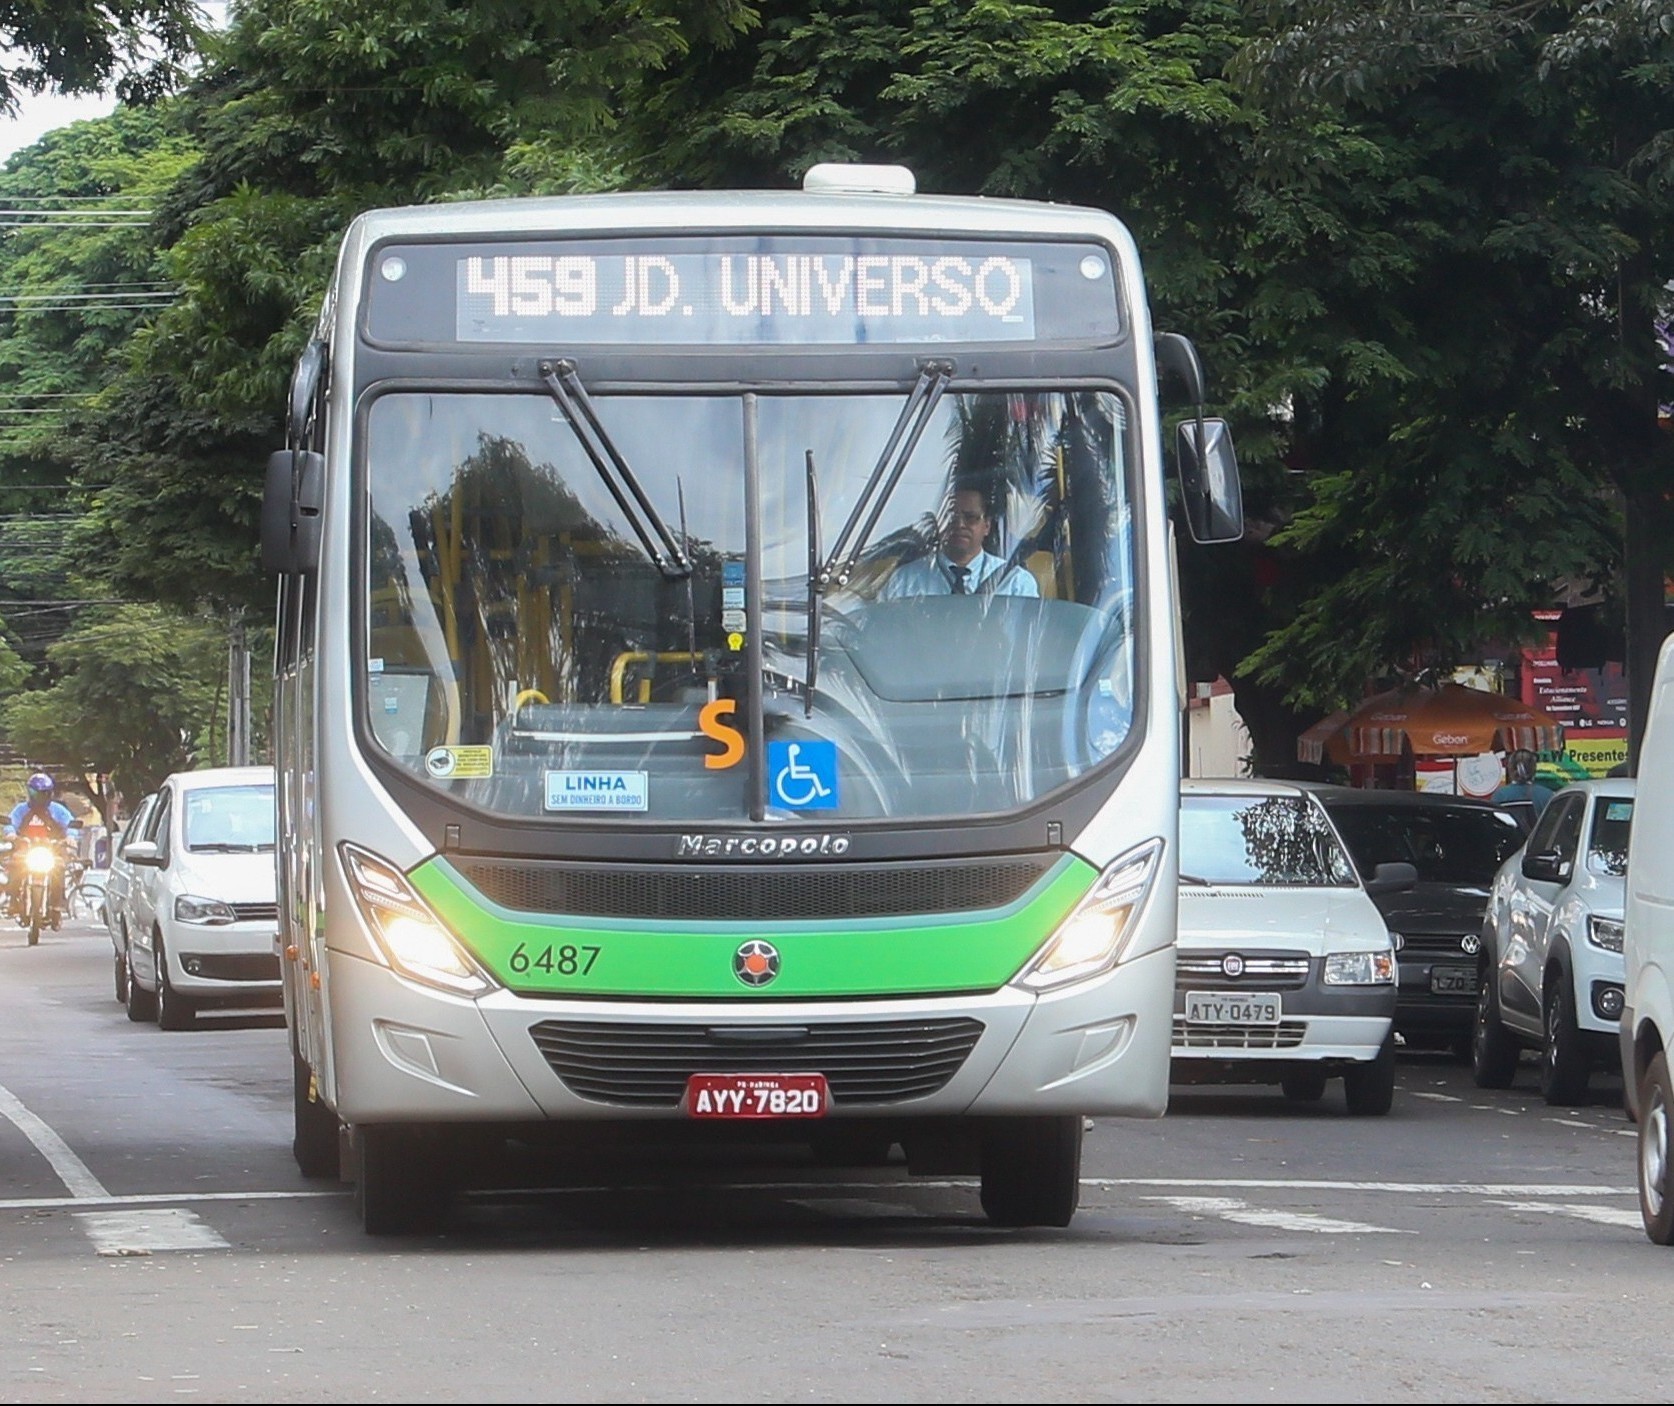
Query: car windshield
1282	841
1607	846
1446	845
229	820
530	654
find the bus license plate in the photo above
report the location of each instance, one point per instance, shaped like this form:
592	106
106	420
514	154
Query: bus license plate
756	1096
1233	1008
1451	981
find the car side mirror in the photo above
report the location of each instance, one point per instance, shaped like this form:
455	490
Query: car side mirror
1395	877
143	852
1547	867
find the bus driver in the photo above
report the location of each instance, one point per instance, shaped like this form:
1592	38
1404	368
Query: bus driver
961	565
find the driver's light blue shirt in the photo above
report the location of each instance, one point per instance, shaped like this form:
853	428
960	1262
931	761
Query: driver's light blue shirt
933	576
59	812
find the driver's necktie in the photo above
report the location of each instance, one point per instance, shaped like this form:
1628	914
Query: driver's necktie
959	573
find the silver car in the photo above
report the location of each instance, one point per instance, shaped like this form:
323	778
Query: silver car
119	885
1552	974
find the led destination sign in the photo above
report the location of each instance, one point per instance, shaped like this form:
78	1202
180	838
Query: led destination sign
776	290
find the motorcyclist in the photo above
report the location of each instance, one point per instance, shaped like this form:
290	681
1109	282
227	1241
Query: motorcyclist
37	815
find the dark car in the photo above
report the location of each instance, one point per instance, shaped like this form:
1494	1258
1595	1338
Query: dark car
1456	844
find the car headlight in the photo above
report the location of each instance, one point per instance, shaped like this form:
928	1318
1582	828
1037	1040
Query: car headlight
40	860
1090	940
1604	932
1360	969
189	908
412	939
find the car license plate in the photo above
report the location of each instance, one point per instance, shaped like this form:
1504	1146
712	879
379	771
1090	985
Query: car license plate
1233	1007
1453	981
756	1096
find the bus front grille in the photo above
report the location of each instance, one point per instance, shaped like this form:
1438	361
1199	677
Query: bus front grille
755	891
646	1065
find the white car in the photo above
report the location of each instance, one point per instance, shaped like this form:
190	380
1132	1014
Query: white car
1285	971
1552	945
117	888
202	912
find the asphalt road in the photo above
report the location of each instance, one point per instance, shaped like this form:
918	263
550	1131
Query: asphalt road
158	1242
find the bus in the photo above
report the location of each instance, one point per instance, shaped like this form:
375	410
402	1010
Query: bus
727	686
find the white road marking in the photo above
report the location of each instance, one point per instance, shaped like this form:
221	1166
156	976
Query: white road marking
1600	1215
49	1203
146	1232
1400	1188
71	1170
1439	1098
1241	1213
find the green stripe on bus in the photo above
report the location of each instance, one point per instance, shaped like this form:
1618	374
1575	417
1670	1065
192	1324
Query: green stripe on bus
693	958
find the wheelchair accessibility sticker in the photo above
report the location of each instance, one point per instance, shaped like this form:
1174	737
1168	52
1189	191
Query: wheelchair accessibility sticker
802	775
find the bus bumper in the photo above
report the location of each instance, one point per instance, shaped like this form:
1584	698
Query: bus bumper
405	1053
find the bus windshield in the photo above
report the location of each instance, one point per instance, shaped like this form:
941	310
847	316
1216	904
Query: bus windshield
526	653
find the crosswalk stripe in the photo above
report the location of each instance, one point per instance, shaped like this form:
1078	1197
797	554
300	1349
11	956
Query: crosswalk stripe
1242	1213
146	1232
1599	1215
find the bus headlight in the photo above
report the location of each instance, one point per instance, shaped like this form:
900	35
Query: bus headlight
412	938
1089	942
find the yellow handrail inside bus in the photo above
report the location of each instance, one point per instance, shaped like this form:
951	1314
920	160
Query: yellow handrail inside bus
619	668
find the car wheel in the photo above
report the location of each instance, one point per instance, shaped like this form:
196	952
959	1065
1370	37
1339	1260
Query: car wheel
1031	1170
1370	1087
120	963
142	1004
1494	1049
1656	1155
314	1143
174	1011
1564	1064
1306	1087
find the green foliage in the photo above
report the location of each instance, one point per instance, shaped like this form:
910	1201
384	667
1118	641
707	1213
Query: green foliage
135	697
83	46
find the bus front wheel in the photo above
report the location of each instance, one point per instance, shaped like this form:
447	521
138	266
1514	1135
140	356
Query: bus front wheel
400	1184
1031	1170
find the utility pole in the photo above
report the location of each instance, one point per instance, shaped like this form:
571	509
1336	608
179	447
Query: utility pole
238	691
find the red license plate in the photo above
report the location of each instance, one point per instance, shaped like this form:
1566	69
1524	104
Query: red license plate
756	1096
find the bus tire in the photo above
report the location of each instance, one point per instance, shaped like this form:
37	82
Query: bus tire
399	1185
315	1142
1031	1170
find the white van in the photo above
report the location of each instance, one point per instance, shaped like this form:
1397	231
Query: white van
1648	959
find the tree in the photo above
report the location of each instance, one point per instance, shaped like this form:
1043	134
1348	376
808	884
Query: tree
86	46
135	697
1551	185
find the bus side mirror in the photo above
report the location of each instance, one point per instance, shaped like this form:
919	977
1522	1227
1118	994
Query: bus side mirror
1210	490
291	501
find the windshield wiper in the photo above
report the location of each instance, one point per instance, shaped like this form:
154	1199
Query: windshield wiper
565	385
224	847
811	669
933	378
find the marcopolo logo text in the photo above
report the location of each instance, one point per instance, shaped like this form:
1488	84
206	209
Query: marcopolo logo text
701	846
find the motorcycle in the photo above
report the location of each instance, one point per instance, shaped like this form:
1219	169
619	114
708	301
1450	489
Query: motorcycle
35	906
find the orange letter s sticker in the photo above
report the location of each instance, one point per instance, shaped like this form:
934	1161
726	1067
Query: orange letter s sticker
730	738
